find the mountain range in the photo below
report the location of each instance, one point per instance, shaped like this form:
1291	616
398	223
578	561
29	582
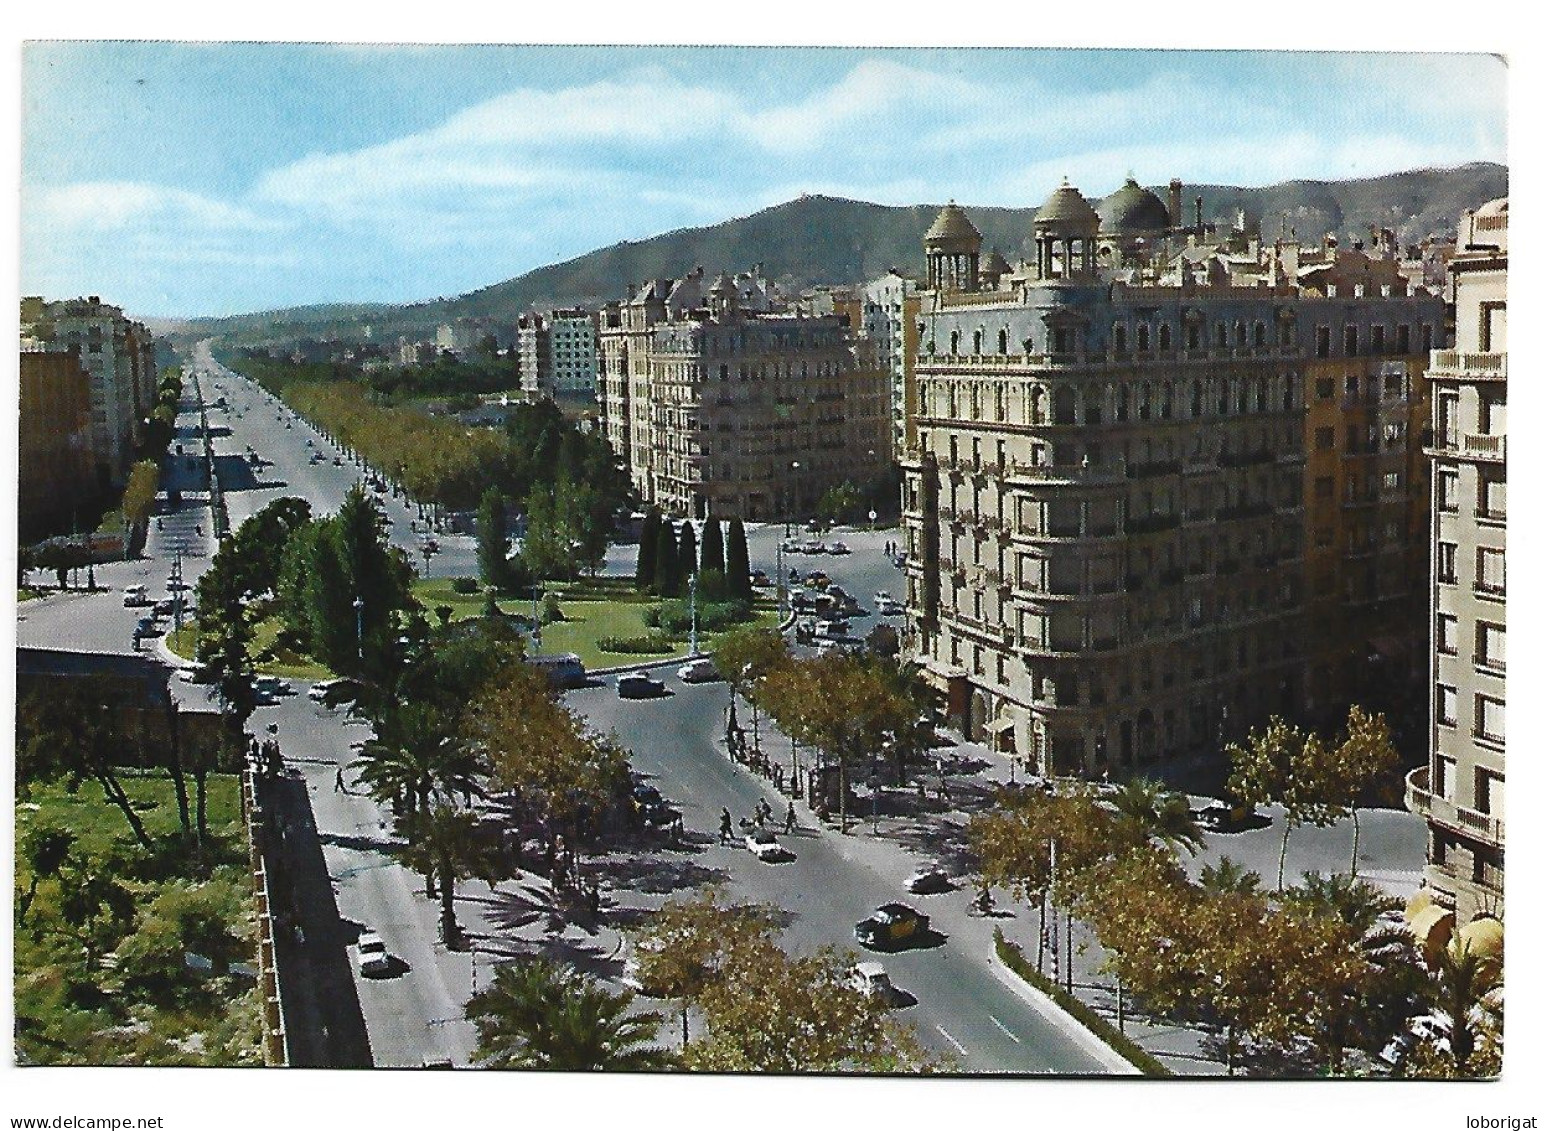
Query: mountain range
823	239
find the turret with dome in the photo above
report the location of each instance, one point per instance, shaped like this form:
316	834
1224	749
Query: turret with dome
951	248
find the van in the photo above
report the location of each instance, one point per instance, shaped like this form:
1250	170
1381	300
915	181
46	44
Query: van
564	668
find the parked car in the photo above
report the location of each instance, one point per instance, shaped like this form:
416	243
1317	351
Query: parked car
273	685
147	626
812	546
892	925
929	879
639	685
817	579
135	597
837	548
1225	817
700	670
319	691
761	579
888	608
371	955
766	847
870	979
163	607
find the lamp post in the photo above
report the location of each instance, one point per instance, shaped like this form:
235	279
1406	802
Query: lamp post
692	614
537	624
360	628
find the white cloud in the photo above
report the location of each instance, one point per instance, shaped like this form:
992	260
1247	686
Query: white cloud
101	206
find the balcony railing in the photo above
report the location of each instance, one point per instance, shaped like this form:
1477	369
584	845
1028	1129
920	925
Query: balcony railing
1442	811
1478	366
1483	447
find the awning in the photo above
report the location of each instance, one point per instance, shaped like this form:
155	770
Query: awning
1484	937
1431	929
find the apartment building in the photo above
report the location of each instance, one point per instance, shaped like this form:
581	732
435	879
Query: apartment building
1105	499
119	358
720	401
1460	791
54	454
889	317
557	354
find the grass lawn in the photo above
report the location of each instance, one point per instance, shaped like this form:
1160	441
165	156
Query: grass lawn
185	642
98	825
592	610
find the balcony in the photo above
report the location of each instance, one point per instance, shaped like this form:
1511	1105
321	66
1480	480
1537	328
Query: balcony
1440	810
1063	473
1471	366
1483	447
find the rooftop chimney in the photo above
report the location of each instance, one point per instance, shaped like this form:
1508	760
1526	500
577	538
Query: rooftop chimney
1197	211
1174	204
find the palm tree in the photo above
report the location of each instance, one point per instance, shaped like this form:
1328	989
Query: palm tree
1154	812
540	1014
444	844
1393	976
1463	990
1230	878
416	755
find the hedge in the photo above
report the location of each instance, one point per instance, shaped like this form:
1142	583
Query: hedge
1010	954
652	643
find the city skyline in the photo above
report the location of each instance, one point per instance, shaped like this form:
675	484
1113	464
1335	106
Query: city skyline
202	176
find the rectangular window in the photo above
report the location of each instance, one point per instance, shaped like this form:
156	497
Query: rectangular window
1490	571
1445	634
1490	718
1377	339
1447	420
1447	489
1445	563
1350	341
1490	646
1324	487
1323	341
1403	338
1445	705
1490	503
1325	387
1392	481
1325	439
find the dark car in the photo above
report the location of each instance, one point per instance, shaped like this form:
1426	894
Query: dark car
639	685
1225	817
892	925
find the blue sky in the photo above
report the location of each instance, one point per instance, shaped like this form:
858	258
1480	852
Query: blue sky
182	179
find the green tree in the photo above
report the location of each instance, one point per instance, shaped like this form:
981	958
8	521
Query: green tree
712	553
839	502
1284	764
669	572
649	539
1155	812
45	848
256	552
224	653
687	551
538	1014
1229	877
1466	989
445	845
140	493
738	569
549	545
744	656
1361	759
493	540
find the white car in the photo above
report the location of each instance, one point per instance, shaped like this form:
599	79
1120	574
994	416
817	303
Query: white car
273	685
371	954
870	979
838	548
763	844
700	670
135	596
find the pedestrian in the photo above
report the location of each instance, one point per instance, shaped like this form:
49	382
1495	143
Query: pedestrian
725	826
789	819
338	781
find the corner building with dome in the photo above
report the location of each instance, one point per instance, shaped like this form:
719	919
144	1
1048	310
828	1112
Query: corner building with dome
1162	481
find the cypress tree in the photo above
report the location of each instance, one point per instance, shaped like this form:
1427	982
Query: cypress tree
668	571
493	539
738	570
687	553
649	534
712	553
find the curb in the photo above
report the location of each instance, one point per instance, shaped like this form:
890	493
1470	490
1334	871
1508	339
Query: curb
1116	1063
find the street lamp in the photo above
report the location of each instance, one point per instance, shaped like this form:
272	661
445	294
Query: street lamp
693	614
360	628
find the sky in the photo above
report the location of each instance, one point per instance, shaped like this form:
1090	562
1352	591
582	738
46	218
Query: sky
199	178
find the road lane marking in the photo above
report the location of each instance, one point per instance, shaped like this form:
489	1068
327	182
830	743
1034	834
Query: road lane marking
958	1045
1003	1028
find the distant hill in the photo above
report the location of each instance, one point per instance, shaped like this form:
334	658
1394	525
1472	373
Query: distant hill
821	239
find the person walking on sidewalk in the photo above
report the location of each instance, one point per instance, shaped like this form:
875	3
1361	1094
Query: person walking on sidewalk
725	826
338	782
789	819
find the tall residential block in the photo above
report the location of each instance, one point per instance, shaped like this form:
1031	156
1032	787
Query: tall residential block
1460	791
1107	505
720	401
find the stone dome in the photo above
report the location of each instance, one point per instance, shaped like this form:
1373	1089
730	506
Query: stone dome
952	226
1067	210
1133	210
994	266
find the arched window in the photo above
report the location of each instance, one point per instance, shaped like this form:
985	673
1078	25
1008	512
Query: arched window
1004	341
1144	401
1240	333
955	341
1197	398
1122	402
1038	405
1165	336
1221	335
1192	335
1120	339
1259	334
1165	401
977	342
1144	338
